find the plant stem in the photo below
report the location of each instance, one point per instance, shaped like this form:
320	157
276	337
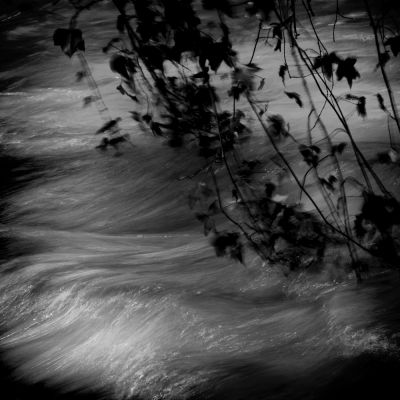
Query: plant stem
382	67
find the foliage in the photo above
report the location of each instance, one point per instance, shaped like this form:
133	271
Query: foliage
168	63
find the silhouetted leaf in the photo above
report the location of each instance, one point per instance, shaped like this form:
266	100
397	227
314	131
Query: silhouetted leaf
347	70
121	89
70	40
315	149
136	116
261	85
88	100
332	179
394	43
350	96
201	216
254	67
282	71
147	118
122	65
338	148
111	125
361	107
310	155
325	62
269	189
326	184
381	102
383	59
121	23
228	243
277	125
296	97
235	195
115	141
278	45
80	75
156	129
383	211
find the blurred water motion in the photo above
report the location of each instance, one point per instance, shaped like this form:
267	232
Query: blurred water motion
107	285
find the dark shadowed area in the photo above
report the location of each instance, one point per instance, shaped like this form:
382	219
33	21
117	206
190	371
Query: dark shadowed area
108	288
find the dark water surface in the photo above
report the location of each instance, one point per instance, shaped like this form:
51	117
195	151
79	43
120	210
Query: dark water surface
108	288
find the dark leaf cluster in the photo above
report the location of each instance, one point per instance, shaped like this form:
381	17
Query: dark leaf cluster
70	40
228	244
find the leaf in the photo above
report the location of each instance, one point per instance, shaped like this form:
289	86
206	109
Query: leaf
394	43
310	155
383	59
156	129
277	125
381	102
235	195
235	91
261	85
80	75
111	125
122	65
339	148
361	107
296	97
350	96
315	149
70	40
269	189
136	116
147	118
278	45
347	70
325	62
332	179
88	100
276	31
282	71
328	185
115	141
254	67
121	89
228	243
383	211
121	23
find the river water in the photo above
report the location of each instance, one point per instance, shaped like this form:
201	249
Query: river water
108	288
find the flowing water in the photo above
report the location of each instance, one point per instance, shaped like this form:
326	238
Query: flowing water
108	287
